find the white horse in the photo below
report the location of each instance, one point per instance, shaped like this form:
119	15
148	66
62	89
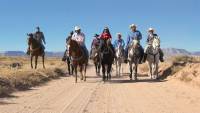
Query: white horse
153	58
119	59
133	58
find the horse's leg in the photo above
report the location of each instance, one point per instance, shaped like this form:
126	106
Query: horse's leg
156	70
103	72
99	67
81	71
96	68
31	61
120	65
72	67
106	75
109	71
43	61
85	69
75	69
36	58
150	70
116	67
68	66
135	74
131	70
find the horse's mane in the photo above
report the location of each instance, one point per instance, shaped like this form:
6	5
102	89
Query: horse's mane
73	42
156	42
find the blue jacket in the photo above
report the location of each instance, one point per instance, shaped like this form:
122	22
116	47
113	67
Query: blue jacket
133	35
119	41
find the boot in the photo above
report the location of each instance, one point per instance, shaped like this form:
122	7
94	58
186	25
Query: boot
161	59
144	58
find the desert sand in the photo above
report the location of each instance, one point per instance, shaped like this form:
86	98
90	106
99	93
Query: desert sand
120	95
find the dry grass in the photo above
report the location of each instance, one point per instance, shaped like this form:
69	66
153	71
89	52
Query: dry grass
185	59
24	78
183	68
186	69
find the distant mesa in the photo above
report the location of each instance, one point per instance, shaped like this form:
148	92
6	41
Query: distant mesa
167	51
22	53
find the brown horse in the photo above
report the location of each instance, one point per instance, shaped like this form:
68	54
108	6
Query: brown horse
35	50
79	58
95	56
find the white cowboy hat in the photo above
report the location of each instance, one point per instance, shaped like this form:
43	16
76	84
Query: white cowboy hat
119	34
132	25
150	29
77	28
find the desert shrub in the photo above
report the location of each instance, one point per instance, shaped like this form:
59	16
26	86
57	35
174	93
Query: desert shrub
185	59
23	80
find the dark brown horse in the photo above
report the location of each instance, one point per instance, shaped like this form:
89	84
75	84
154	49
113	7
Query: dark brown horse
107	58
79	58
35	50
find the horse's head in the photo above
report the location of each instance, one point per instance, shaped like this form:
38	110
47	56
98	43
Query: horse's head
30	38
134	48
72	46
108	42
119	50
154	47
156	42
135	43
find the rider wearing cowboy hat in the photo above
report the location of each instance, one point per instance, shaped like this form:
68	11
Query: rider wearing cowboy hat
119	41
150	38
95	43
79	37
134	34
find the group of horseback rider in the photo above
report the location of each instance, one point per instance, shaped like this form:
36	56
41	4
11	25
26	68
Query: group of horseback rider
134	34
98	41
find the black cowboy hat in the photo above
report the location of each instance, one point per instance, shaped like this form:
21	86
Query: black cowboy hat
29	34
96	35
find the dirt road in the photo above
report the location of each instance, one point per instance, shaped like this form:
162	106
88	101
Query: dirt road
117	96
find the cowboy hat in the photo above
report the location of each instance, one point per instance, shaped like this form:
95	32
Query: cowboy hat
132	25
77	28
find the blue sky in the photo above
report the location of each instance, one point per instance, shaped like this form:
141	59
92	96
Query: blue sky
176	21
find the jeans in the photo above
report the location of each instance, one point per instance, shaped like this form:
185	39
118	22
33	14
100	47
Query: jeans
85	51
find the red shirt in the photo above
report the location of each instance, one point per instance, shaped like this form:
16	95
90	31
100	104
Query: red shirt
105	36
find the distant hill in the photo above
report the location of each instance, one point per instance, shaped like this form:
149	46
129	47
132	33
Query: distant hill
21	53
174	52
12	53
167	51
196	53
